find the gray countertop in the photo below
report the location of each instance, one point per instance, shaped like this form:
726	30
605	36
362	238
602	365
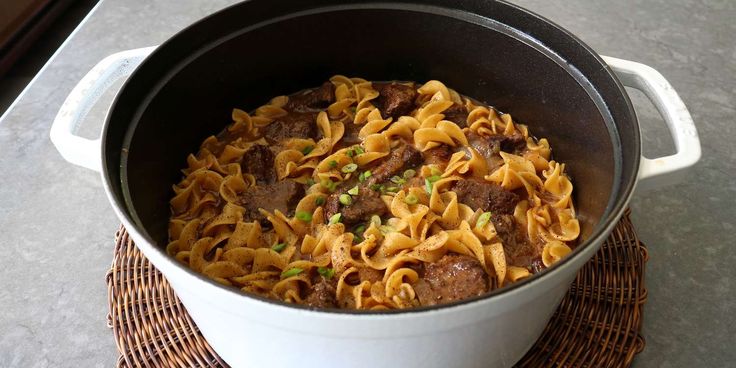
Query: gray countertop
56	226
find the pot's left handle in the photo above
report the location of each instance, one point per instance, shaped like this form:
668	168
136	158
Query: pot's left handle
75	149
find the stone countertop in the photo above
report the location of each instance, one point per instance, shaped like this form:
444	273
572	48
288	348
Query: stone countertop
56	226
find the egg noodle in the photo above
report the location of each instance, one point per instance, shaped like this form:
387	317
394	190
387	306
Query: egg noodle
210	232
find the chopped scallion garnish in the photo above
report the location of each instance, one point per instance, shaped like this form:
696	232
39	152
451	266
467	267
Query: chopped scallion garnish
398	180
310	182
411	199
349	168
376	187
307	150
291	272
334	219
408	174
483	219
346	199
376	220
392	189
354	190
304	216
435	171
326	272
434	178
350	153
319	201
428	185
359	230
332	164
279	247
359	150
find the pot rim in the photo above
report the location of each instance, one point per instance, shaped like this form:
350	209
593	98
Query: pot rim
613	211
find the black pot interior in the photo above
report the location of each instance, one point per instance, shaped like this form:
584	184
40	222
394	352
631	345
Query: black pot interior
492	51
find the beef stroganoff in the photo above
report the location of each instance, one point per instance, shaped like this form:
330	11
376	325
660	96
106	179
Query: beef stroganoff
372	195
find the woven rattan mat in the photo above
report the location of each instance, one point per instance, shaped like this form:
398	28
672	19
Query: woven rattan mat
597	324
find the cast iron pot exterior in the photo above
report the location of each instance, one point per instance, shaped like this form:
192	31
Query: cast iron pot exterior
245	54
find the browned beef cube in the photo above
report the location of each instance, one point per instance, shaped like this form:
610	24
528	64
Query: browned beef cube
281	195
453	277
258	161
293	125
403	157
364	205
486	196
394	99
321	295
313	99
493	144
458	114
439	155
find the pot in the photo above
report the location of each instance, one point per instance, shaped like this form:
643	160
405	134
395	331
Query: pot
183	90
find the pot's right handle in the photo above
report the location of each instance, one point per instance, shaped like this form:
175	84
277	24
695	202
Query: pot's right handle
657	172
75	149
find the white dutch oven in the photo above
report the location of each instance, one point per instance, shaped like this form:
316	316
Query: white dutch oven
183	91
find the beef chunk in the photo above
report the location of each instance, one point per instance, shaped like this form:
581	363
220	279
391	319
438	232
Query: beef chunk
486	196
457	114
281	195
401	158
439	155
321	295
313	99
453	277
394	100
506	229
366	204
537	265
370	274
258	161
493	144
293	125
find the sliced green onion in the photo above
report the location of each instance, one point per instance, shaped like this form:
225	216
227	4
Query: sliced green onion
359	150
334	219
376	187
376	220
367	174
411	199
349	168
361	177
304	216
291	272
385	229
398	180
307	150
483	219
279	247
346	199
332	164
350	153
354	190
359	230
392	189
326	272
434	178
319	201
328	184
408	174
435	171
310	182
428	185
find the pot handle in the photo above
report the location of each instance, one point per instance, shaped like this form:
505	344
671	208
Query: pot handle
661	171
75	149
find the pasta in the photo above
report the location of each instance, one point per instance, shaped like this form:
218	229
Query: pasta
369	195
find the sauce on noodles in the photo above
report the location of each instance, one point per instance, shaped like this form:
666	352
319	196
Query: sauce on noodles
372	195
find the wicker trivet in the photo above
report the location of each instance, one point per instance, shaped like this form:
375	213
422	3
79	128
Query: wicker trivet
597	324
